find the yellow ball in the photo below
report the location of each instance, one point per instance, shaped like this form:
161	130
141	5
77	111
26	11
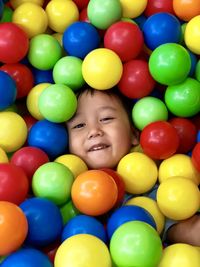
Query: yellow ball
178	165
33	98
152	207
13	131
97	68
138	171
83	250
133	9
192	35
74	163
16	3
31	17
3	156
61	14
180	255
178	198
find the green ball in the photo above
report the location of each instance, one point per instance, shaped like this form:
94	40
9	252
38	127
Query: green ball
68	211
136	243
148	109
102	14
184	99
68	71
53	181
44	51
169	64
7	14
57	103
197	71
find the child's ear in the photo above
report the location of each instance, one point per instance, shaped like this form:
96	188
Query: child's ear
135	136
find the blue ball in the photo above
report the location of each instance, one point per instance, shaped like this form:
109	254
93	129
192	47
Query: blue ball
84	224
27	257
198	136
44	221
194	60
161	28
51	137
80	38
8	90
42	76
126	214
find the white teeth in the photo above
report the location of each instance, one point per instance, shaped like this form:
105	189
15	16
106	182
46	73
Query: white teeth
98	148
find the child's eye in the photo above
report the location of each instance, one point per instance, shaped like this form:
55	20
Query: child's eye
78	126
106	119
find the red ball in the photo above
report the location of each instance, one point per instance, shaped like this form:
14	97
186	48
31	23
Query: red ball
196	156
29	120
14	43
14	183
22	75
159	140
136	80
187	133
81	3
83	16
156	6
119	182
29	159
125	39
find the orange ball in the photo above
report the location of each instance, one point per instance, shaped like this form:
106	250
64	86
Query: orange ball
94	192
186	10
13	227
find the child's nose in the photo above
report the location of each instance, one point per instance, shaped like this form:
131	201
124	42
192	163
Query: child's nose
95	131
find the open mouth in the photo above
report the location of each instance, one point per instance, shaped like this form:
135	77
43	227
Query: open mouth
98	147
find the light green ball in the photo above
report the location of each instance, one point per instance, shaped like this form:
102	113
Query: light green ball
57	103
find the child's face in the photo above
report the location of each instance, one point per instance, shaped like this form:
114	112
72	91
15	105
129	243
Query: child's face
100	132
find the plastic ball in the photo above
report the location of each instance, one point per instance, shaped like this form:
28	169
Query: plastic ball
178	198
156	6
159	140
33	99
186	10
13	131
136	80
45	178
7	14
151	206
29	257
147	110
73	162
81	4
178	165
94	192
180	254
161	28
91	251
13	221
29	159
80	38
61	14
14	183
165	62
16	3
126	214
96	66
3	156
134	169
84	224
22	75
68	71
68	211
187	132
136	243
42	76
8	90
103	14
44	221
44	51
125	39
10	35
34	22
133	11
57	103
196	157
51	137
192	35
183	99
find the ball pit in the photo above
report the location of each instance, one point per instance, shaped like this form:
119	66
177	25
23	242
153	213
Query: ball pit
149	51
